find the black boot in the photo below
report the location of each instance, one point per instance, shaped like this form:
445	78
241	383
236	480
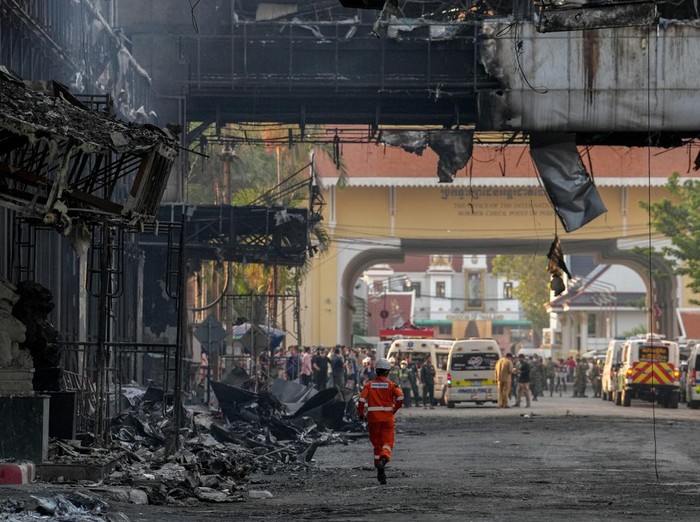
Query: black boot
381	474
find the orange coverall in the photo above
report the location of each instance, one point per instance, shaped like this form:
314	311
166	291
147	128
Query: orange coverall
383	398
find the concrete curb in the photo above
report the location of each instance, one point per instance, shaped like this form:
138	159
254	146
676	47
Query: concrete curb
16	473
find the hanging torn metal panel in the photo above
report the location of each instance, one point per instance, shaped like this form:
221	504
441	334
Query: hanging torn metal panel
569	187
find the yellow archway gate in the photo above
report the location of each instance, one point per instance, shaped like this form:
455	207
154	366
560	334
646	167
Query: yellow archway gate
391	203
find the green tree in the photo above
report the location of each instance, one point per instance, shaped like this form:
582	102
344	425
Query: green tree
637	330
680	222
532	290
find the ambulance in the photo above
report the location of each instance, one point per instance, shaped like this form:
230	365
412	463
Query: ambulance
419	349
470	372
650	371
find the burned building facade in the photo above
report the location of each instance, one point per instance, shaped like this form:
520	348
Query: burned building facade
94	184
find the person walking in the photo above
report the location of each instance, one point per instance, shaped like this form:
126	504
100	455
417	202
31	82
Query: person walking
571	366
352	368
503	372
580	377
382	399
320	366
368	372
405	381
514	382
292	367
338	369
306	369
427	377
536	378
394	373
596	378
523	381
550	375
562	372
414	380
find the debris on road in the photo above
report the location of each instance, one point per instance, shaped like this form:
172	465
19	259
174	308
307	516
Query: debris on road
73	506
253	433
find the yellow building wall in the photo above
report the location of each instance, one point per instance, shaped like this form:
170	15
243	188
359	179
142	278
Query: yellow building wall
361	212
451	212
320	300
480	212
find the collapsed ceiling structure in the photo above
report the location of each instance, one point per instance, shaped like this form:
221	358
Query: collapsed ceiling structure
481	66
61	161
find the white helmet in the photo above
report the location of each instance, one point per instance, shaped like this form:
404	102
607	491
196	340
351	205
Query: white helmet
383	364
392	360
366	360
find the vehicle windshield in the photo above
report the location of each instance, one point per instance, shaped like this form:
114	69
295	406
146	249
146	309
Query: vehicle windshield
402	355
474	361
653	353
419	357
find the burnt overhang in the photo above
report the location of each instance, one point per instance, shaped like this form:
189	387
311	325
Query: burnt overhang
577	15
253	234
632	80
59	160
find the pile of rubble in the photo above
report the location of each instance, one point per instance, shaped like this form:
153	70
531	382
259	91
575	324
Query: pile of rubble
48	110
73	506
254	432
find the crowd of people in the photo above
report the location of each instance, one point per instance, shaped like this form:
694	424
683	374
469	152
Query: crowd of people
533	377
350	368
523	380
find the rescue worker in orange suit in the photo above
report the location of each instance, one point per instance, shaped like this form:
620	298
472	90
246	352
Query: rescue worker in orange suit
380	400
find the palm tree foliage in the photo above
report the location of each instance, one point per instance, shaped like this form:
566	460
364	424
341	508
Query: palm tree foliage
260	175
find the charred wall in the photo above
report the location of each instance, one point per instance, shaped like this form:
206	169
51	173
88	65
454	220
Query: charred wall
631	79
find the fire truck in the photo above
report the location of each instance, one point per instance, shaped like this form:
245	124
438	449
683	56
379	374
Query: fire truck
649	371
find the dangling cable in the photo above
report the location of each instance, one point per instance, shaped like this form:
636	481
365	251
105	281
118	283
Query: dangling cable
652	286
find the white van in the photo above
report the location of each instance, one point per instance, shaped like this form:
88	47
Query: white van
692	381
419	349
613	357
470	372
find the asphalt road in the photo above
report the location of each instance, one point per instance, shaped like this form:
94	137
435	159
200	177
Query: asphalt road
562	459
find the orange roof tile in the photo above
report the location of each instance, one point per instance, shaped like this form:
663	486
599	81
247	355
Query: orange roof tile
611	166
689	320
